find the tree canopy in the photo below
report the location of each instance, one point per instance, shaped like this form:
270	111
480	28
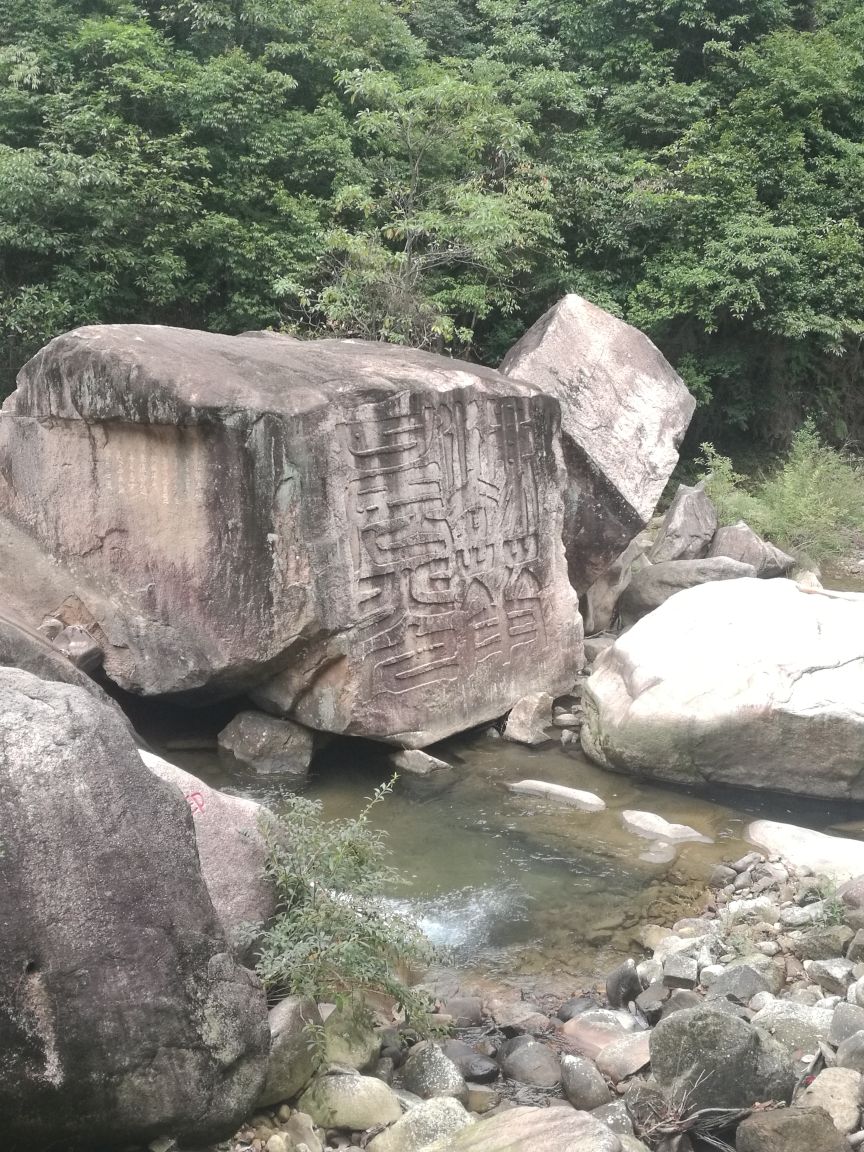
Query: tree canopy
438	172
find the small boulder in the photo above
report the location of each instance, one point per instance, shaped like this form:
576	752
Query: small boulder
528	719
739	542
797	1028
350	1040
790	1130
616	1117
832	976
583	1085
430	1121
625	1057
268	746
823	942
838	1091
428	1072
576	797
350	1101
554	1129
850	1052
601	599
291	1064
847	1020
473	1065
413	762
687	528
532	1063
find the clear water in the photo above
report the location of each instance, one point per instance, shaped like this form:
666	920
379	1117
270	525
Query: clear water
521	889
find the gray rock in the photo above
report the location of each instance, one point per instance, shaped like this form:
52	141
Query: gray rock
845	1022
532	1063
654	585
623	985
624	1057
428	1072
595	646
850	1053
432	1120
616	1117
291	1064
529	719
350	1101
473	1065
601	599
416	763
798	1028
790	1130
532	1130
687	527
740	542
838	1091
742	981
834	976
855	949
575	1006
823	942
328	492
754	714
231	851
79	647
268	746
122	1014
583	1085
350	1040
680	971
623	414
719	1060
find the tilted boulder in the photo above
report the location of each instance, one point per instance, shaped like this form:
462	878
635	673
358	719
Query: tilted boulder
122	1015
687	528
755	683
601	599
368	536
740	542
232	852
624	411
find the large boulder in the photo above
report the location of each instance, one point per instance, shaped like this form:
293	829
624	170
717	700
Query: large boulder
624	411
232	852
687	528
739	542
371	536
755	683
654	584
555	1129
122	1015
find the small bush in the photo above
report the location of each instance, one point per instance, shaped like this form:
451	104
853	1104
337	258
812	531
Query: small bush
334	937
812	504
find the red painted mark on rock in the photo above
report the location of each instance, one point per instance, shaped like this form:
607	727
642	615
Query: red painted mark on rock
195	801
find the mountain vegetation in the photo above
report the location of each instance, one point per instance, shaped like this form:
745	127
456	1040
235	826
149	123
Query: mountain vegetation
437	172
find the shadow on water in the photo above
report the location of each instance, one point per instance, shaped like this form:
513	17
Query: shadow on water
517	887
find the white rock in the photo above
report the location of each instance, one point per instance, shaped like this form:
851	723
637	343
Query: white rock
654	827
416	763
835	857
587	801
528	719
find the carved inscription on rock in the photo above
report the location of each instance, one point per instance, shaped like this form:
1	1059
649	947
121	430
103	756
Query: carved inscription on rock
442	507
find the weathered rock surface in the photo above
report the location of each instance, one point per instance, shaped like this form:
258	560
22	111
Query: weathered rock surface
583	1085
837	1090
624	411
346	1101
430	1121
740	542
268	746
654	584
576	797
836	857
371	536
790	1130
717	686
529	719
532	1130
719	1060
291	1064
601	599
531	1063
231	851
687	527
122	1015
428	1072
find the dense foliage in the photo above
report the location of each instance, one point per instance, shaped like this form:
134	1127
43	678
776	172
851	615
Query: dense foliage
334	936
810	503
439	171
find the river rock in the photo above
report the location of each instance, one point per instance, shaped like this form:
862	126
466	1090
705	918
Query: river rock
428	1072
687	528
350	1038
838	1091
583	1085
654	827
231	850
721	1061
472	1064
624	1057
717	687
532	1063
590	1032
586	801
832	976
846	1021
268	746
122	1014
616	1117
601	599
555	1129
739	542
291	1064
654	585
430	1121
371	535
823	942
850	1052
350	1101
624	411
529	719
790	1130
623	984
798	1028
743	979
413	762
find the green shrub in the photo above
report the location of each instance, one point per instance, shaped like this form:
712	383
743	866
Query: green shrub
812	504
334	937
